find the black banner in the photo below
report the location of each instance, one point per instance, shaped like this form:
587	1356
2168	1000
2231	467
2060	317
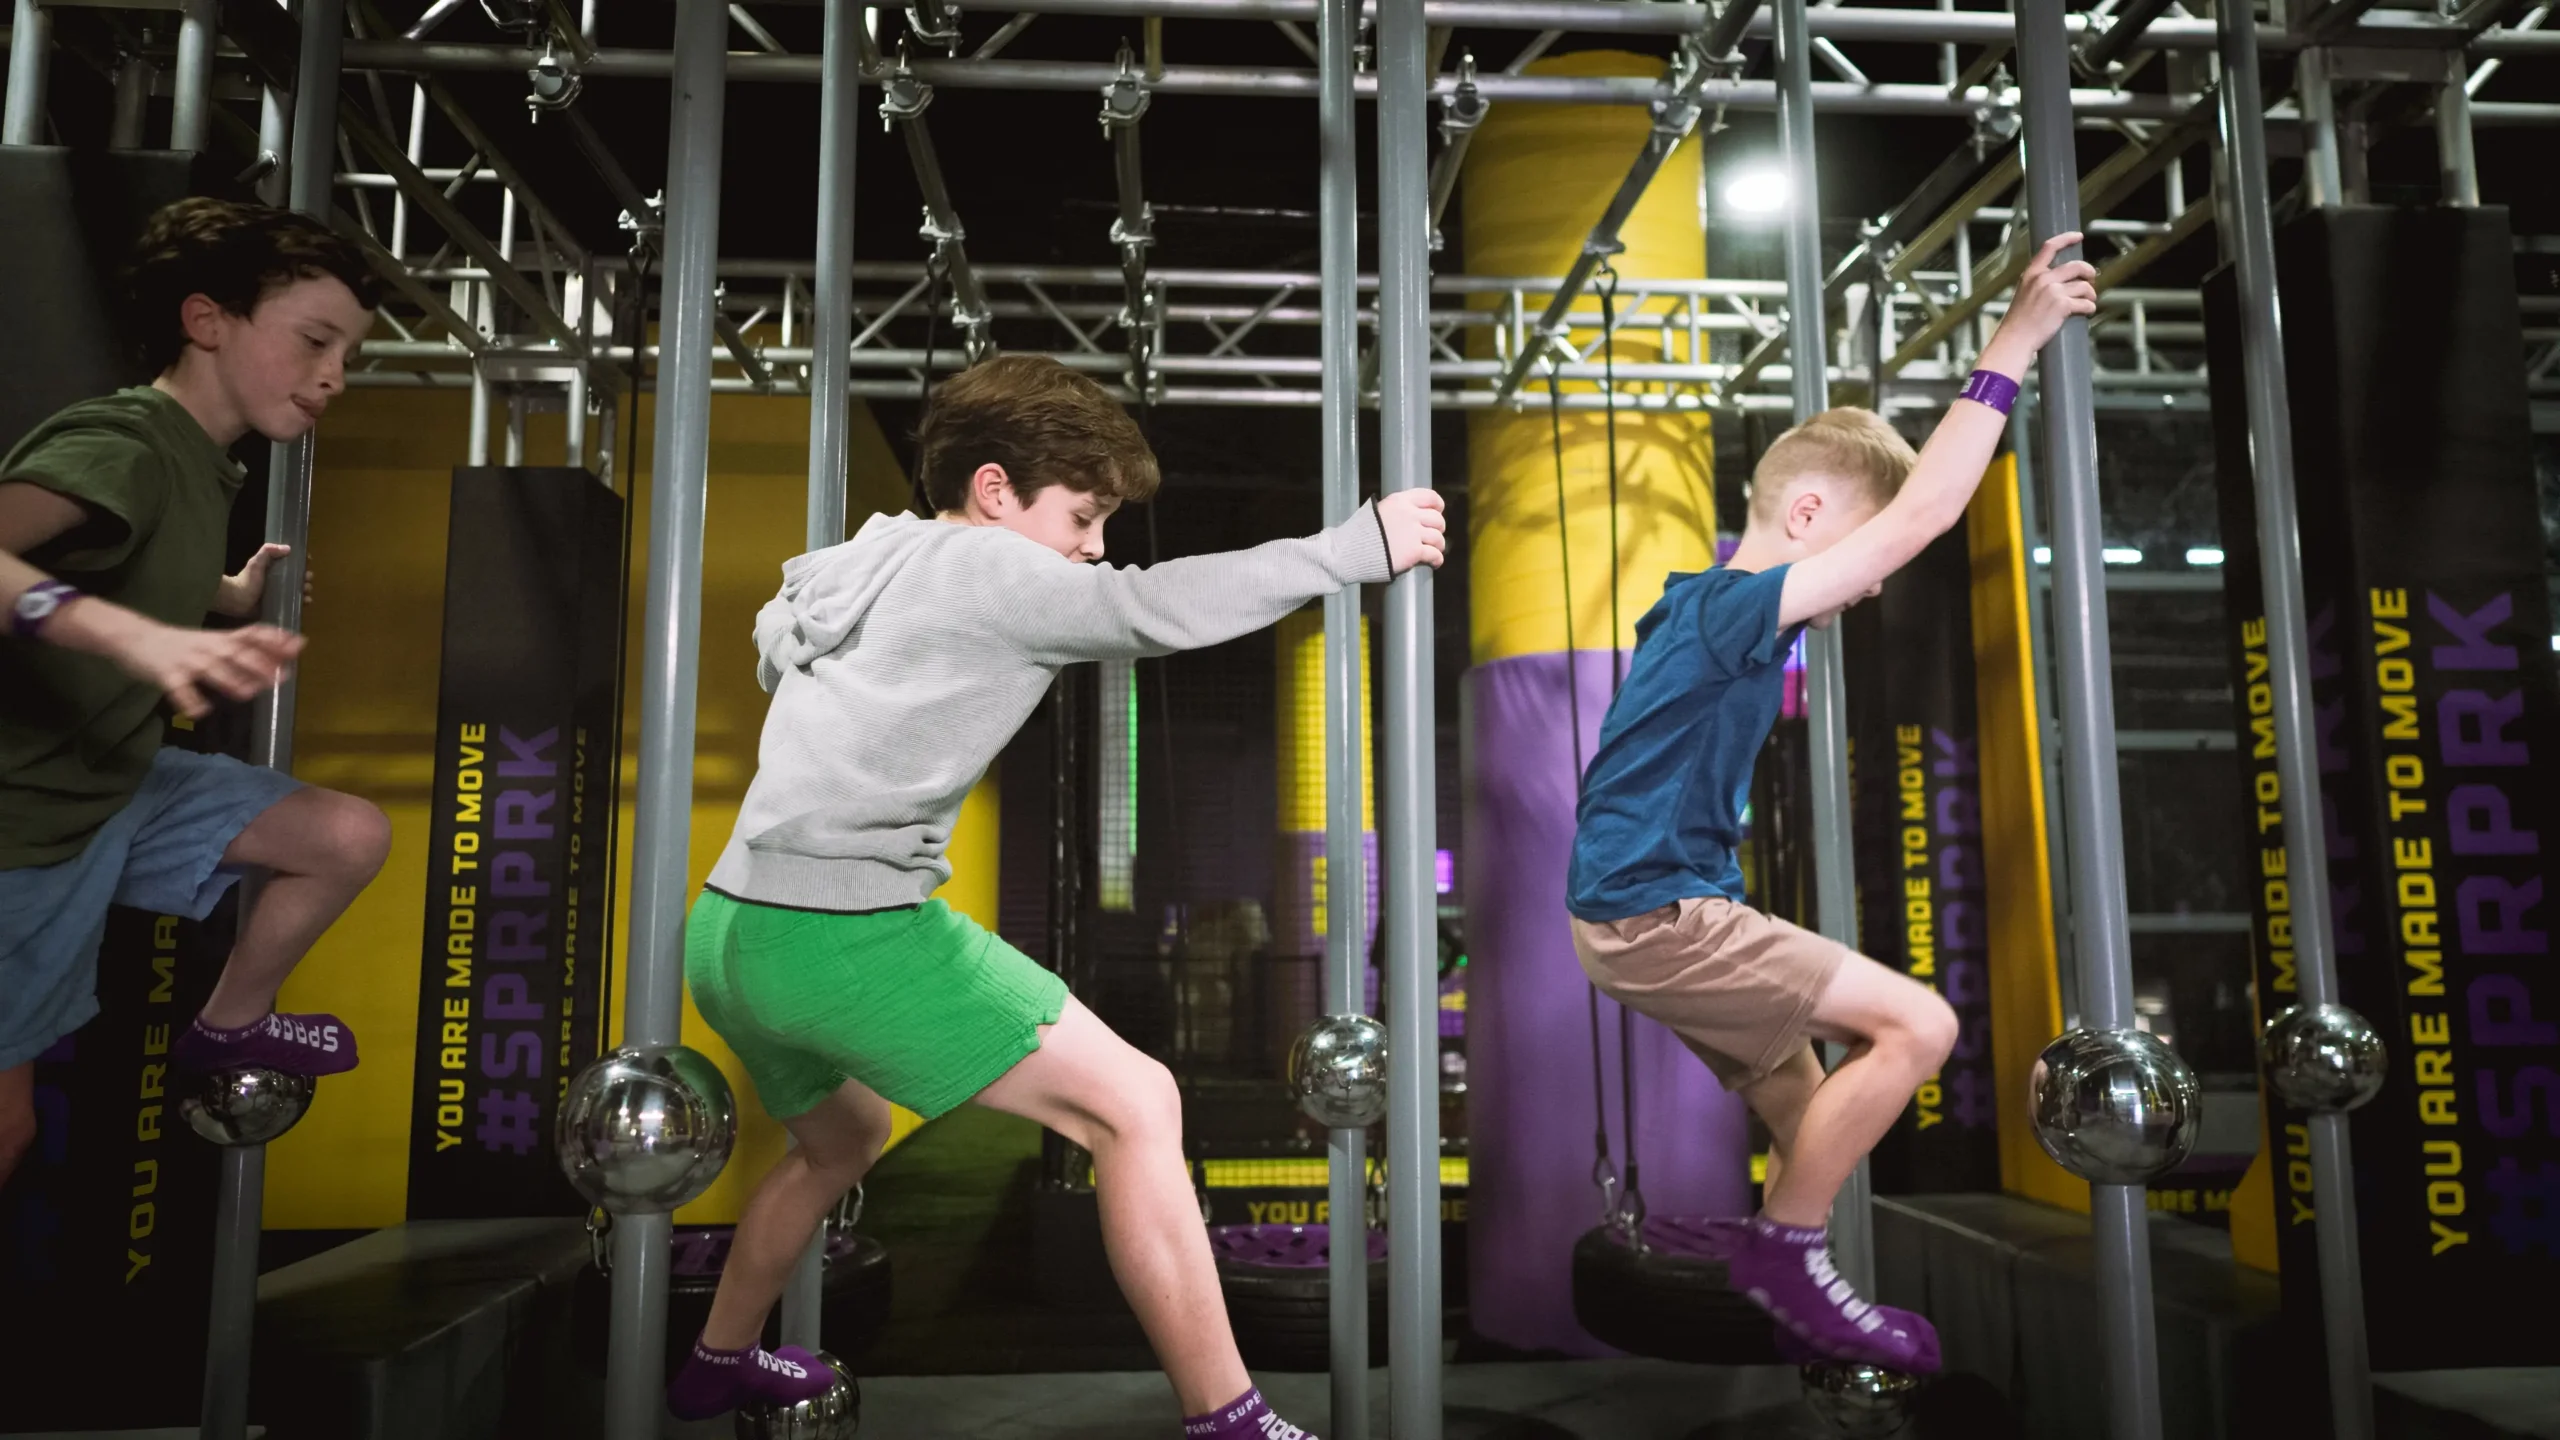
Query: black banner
511	988
2437	712
106	1229
1916	791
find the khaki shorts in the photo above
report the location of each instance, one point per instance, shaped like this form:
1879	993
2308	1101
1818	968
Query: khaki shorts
1737	986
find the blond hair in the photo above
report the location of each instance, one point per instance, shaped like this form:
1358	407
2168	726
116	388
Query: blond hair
1848	444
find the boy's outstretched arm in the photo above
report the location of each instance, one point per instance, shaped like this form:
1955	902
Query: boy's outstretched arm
192	667
1062	612
1951	464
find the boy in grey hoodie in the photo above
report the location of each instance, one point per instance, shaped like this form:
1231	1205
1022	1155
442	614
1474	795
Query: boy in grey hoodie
900	663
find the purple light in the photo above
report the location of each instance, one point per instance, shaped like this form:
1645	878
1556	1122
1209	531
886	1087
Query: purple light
1444	872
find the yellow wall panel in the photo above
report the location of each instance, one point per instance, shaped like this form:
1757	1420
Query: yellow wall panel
1537	177
366	725
2026	999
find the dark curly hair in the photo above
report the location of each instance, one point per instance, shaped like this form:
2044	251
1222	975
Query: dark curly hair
1044	423
234	255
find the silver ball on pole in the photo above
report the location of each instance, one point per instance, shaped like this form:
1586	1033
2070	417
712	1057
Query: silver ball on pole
833	1415
2115	1107
645	1128
1866	1402
250	1105
1338	1071
2323	1057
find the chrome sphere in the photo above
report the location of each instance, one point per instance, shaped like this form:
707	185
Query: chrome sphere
835	1415
1868	1402
1338	1071
2115	1107
645	1128
2323	1057
248	1106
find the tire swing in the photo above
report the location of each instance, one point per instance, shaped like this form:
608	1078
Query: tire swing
1654	1286
1279	1294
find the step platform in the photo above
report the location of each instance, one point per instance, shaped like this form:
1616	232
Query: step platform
428	1330
2012	1288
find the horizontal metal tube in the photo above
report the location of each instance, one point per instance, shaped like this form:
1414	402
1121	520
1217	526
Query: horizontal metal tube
1257	397
1634	17
1267	82
2512	113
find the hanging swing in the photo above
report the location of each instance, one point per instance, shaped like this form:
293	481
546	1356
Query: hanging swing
1651	1285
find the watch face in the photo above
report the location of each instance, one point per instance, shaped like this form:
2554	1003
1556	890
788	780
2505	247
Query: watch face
37	603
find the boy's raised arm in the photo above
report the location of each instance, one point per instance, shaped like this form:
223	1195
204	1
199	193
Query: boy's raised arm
1059	612
1959	450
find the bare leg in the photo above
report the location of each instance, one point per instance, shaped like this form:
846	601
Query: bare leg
17	1116
839	1140
1898	1032
1779	1098
1088	1085
319	849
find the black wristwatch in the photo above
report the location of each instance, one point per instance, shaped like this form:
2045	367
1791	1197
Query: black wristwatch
37	604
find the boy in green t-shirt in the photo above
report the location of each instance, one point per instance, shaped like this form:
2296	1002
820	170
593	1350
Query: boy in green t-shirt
112	520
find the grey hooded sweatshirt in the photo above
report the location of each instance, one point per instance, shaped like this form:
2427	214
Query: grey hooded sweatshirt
901	661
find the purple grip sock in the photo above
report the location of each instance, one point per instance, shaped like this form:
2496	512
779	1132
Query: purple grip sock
295	1044
713	1381
1787	1271
1247	1417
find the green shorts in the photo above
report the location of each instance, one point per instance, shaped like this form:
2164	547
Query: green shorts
920	1004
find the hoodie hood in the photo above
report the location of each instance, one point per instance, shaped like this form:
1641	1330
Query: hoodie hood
826	593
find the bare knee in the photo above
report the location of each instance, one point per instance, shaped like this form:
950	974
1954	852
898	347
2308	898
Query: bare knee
358	834
328	836
1146	1107
1922	1034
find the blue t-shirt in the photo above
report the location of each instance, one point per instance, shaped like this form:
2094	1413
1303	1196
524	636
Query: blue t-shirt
1662	804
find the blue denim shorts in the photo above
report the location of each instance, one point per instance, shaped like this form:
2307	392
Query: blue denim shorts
162	853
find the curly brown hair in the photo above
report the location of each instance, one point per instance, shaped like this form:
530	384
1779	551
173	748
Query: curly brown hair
1044	423
234	255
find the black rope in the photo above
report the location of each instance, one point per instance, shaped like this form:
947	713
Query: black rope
1601	1173
1633	1202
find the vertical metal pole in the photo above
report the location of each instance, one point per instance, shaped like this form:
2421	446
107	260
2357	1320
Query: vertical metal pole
2319	127
515	428
30	60
241	1190
1345	753
2288	658
132	104
2040	675
831	313
671	635
2455	162
477	447
1826	688
573	449
191	84
415	146
1406	832
275	128
2094	845
830	358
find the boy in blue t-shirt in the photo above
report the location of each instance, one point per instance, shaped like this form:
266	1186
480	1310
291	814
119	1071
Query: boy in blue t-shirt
1838	503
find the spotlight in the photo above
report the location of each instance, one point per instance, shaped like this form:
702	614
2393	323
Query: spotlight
1759	191
2204	555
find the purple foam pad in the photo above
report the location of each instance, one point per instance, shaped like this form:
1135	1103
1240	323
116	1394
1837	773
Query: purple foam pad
1307	1247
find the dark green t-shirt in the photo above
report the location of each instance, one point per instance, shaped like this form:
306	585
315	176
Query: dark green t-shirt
76	732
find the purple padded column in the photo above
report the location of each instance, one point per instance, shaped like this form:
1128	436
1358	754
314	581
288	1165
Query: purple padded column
1529	1194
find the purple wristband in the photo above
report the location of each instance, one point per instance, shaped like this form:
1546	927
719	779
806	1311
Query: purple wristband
1990	387
37	604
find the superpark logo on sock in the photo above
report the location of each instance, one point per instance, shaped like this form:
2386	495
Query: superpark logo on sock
1275	1428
